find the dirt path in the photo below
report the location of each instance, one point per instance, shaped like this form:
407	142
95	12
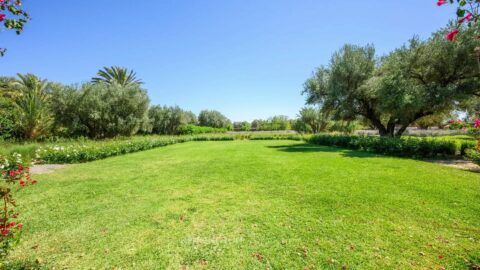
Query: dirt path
45	168
459	164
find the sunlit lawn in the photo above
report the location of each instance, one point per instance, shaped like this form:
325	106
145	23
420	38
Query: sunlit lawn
252	205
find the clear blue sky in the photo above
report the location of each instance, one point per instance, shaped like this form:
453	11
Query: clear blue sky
245	58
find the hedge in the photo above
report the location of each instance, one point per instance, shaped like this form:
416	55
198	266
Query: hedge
403	147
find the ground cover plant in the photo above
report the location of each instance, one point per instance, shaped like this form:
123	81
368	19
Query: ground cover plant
252	205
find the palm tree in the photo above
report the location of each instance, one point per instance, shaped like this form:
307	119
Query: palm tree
117	75
35	118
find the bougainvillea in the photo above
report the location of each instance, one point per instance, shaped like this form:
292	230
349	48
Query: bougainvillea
14	173
13	17
467	15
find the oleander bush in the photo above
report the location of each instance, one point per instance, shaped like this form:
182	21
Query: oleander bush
403	147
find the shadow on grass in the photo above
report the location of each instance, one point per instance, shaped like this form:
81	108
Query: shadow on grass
308	148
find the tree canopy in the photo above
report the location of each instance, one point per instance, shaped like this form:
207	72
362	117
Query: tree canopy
392	92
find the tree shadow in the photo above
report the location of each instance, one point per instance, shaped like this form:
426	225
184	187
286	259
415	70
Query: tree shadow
309	148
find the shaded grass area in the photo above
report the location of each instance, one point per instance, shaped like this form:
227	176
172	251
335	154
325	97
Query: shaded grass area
252	205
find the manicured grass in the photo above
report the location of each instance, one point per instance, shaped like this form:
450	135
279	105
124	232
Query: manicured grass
252	205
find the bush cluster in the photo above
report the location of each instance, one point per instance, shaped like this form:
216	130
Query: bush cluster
404	147
194	130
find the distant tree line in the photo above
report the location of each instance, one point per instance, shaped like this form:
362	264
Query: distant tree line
113	103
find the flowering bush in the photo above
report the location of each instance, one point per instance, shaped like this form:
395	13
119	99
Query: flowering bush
95	150
457	124
467	14
13	172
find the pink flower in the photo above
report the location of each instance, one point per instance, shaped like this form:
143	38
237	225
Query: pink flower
477	123
451	35
466	18
441	2
20	225
2	17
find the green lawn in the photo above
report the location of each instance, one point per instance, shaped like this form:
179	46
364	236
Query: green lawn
252	205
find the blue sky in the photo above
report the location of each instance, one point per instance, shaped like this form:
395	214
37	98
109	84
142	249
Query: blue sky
245	58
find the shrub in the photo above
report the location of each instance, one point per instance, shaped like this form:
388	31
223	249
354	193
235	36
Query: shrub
13	171
193	130
214	119
405	147
167	120
473	155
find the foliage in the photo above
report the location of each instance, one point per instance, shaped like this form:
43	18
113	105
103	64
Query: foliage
214	119
457	124
117	75
16	19
168	120
194	130
278	122
8	111
88	150
34	115
65	102
299	126
107	110
404	147
416	80
242	126
316	118
436	119
13	171
467	14
473	155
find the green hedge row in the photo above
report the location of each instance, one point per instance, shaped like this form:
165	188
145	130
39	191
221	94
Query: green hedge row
403	147
84	151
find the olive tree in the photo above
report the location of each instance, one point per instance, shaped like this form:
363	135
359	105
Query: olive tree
167	120
414	81
108	110
213	119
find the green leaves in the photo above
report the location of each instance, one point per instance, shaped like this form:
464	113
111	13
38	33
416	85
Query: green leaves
17	19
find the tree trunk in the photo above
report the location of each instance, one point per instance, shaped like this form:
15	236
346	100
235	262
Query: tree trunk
401	131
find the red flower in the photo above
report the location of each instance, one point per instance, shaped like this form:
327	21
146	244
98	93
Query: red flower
5	232
11	224
20	226
22	183
451	35
11	173
477	123
2	17
441	2
466	18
